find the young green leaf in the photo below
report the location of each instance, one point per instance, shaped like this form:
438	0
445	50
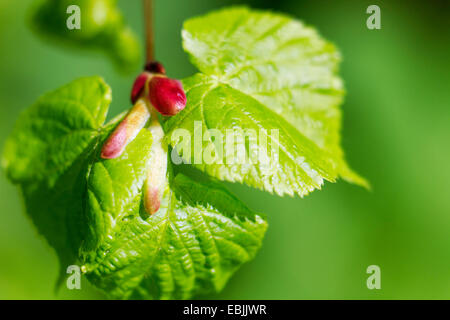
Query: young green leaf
102	27
48	154
196	240
265	71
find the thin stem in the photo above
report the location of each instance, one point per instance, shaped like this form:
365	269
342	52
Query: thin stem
149	37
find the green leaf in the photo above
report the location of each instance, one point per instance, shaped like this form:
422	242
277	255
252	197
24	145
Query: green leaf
56	130
47	156
91	209
264	71
192	245
102	27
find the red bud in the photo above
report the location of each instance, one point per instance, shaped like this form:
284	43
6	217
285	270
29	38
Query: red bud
138	86
126	131
152	199
116	142
167	95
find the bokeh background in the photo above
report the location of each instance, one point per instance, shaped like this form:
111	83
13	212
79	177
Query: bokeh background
396	132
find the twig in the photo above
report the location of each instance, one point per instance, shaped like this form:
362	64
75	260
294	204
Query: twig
149	36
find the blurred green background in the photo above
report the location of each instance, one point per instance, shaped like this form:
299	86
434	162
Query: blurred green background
396	132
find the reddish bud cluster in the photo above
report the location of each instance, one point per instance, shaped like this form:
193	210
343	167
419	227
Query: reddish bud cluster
165	94
152	90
